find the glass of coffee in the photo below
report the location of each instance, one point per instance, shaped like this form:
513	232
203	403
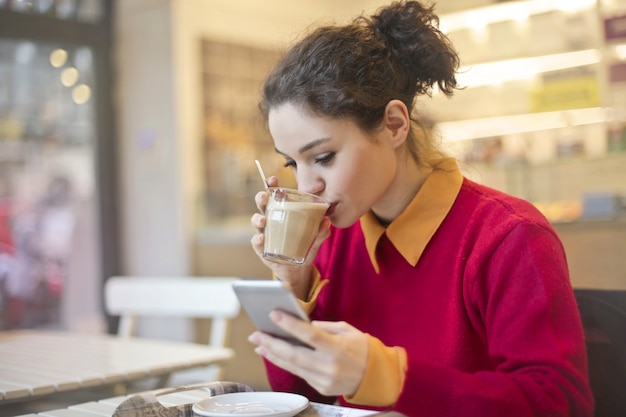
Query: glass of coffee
292	221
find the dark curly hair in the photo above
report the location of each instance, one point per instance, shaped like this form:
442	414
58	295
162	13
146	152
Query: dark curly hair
353	71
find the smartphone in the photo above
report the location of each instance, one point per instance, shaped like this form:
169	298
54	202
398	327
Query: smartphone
260	297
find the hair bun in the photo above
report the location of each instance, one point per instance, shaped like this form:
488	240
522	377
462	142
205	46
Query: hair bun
411	31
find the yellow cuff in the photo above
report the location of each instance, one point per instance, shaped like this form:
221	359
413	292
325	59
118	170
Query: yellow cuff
316	286
384	376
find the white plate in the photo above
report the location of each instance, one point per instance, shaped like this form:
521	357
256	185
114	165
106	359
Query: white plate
252	404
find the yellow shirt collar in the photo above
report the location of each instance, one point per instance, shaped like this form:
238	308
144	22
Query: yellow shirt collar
411	231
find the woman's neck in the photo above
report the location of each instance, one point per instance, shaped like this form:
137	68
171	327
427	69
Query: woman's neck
407	182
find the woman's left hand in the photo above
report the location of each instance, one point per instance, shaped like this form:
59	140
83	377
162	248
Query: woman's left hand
336	364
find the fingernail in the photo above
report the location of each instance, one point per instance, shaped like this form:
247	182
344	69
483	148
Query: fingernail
254	338
276	316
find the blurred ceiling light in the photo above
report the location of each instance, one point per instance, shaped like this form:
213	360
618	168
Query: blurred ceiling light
44	6
521	123
65	8
523	68
69	76
22	5
58	58
476	21
514	10
81	94
573	5
620	52
521	15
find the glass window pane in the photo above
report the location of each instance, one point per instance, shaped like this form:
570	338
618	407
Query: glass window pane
66	9
44	7
22	6
90	11
48	197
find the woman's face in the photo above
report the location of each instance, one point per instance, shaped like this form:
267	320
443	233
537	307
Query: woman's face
336	160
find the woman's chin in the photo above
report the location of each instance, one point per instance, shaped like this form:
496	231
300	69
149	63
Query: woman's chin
341	222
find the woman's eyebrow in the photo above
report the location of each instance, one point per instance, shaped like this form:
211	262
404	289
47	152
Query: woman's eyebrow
312	145
306	147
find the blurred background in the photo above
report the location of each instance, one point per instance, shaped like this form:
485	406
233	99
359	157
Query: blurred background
128	131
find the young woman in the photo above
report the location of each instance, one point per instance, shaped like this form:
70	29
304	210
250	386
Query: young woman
430	294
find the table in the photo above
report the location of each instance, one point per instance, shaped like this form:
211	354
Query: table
107	407
35	363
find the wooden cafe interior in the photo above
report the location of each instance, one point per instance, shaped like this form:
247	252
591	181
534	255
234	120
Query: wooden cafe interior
129	130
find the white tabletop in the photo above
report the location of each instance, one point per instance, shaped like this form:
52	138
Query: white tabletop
34	363
107	407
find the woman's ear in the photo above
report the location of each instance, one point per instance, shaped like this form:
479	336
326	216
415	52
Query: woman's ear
397	122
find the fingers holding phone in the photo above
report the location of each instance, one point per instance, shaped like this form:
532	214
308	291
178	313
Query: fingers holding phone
336	362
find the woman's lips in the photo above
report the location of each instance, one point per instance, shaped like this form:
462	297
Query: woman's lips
331	209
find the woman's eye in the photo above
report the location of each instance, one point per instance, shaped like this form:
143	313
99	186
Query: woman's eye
290	164
325	159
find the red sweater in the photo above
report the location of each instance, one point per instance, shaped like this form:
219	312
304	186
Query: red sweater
485	311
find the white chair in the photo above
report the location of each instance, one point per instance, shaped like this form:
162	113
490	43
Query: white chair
184	297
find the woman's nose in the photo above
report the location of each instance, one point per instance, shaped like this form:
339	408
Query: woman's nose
309	183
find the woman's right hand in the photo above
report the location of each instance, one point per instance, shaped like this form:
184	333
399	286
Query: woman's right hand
299	277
